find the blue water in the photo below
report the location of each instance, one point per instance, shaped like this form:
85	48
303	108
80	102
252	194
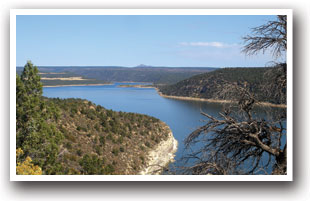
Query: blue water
181	116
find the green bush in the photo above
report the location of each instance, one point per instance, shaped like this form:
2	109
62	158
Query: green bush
102	140
91	164
147	144
79	152
115	151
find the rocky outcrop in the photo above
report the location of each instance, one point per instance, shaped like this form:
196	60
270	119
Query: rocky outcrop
160	156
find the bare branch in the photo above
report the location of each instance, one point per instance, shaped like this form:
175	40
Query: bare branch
269	36
235	140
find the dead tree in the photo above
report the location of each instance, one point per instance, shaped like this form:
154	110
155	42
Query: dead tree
271	36
237	144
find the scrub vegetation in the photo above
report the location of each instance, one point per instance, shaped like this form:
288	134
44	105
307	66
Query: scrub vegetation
75	136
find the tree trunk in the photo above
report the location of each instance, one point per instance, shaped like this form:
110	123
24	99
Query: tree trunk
280	166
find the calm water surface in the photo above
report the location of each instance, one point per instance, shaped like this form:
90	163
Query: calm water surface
181	116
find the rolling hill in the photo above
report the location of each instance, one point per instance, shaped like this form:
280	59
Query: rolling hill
210	85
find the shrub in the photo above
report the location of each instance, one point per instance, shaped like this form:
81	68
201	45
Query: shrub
97	127
70	157
109	169
79	152
147	144
91	164
120	140
68	145
102	140
70	137
109	137
115	151
98	150
142	159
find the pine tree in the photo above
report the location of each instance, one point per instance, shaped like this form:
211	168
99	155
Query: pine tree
28	101
35	133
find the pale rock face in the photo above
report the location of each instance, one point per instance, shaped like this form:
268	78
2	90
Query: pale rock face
160	156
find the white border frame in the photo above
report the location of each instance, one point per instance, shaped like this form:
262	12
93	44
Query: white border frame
15	12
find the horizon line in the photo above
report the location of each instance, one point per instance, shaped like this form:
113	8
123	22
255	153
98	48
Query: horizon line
145	66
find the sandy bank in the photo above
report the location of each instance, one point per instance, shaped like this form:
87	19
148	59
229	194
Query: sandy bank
135	86
265	104
51	73
160	156
63	78
74	85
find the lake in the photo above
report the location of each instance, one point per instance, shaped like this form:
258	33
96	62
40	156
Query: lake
181	116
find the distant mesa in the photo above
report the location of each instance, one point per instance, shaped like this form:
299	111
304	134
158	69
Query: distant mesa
143	65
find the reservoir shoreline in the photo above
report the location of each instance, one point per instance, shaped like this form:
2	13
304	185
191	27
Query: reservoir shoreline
263	104
78	85
181	116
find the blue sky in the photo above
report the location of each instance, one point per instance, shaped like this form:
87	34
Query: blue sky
180	41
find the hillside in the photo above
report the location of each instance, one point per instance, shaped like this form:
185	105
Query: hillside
157	75
95	140
210	85
118	141
75	136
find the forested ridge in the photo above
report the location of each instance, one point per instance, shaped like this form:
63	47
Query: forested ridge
75	136
157	75
210	85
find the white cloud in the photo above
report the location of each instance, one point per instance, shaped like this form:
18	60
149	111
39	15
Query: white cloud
208	44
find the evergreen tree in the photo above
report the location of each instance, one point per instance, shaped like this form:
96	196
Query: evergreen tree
28	101
37	138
